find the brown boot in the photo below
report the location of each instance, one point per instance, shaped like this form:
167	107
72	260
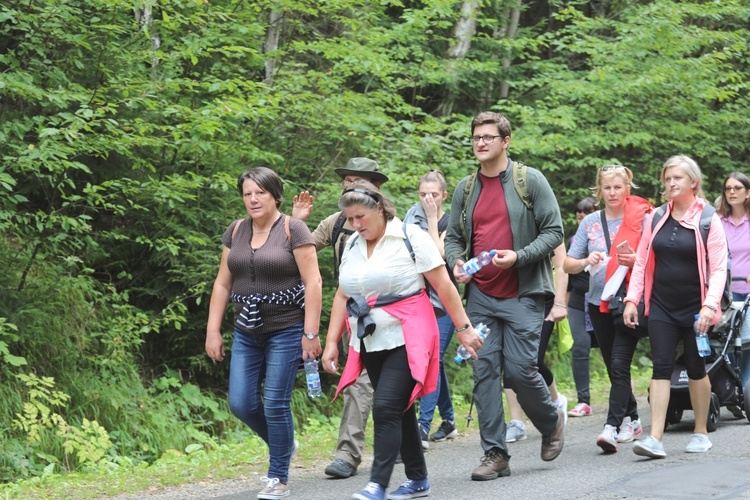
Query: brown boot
552	444
493	465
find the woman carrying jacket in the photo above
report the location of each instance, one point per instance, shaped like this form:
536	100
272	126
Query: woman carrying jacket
671	256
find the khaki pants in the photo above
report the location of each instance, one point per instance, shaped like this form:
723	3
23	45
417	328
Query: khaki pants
357	402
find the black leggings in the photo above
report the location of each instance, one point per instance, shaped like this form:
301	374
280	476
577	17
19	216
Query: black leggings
395	425
664	338
618	348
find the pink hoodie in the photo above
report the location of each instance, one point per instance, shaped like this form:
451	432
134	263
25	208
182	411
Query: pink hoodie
422	345
642	279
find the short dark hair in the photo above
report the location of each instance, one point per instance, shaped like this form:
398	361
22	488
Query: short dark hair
485	117
266	179
587	205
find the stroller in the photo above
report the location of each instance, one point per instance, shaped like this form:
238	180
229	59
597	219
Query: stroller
726	382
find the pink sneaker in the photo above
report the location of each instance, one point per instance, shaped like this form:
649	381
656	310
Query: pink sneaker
580	410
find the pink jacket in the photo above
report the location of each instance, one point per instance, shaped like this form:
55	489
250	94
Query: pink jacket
642	279
422	345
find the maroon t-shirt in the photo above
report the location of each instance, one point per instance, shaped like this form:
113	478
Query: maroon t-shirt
491	226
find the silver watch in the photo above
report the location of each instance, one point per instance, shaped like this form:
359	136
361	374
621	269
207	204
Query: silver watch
310	335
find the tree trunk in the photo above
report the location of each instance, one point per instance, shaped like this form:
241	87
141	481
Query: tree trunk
145	17
275	20
466	28
510	28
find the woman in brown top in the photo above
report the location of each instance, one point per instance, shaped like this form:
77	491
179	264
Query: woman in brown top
269	268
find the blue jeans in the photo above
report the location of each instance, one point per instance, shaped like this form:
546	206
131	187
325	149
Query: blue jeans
442	395
269	362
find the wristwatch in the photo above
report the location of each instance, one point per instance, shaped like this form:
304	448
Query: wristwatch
310	335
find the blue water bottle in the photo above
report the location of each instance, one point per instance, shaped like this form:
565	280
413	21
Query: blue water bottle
313	378
462	353
704	348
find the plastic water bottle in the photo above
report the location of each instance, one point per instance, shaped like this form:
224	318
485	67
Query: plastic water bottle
473	265
313	378
704	348
462	353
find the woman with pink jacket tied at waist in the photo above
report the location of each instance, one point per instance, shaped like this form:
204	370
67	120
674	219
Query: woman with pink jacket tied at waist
393	331
672	257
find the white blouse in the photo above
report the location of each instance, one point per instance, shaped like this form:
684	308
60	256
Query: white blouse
390	270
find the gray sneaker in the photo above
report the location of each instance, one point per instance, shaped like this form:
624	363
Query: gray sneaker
649	447
698	443
516	432
341	469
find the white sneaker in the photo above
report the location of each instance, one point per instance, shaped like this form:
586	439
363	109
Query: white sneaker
607	440
516	431
274	489
649	447
562	402
629	430
698	443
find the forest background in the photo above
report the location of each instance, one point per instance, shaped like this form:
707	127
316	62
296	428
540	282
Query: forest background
124	126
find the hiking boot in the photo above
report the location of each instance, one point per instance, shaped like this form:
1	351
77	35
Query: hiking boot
629	430
425	439
698	443
607	440
649	447
411	489
493	465
552	444
274	489
447	430
580	410
341	469
516	431
371	491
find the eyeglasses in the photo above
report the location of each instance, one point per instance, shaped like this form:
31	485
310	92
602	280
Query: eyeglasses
486	138
738	189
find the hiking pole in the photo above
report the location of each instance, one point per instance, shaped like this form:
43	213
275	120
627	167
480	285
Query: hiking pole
469	418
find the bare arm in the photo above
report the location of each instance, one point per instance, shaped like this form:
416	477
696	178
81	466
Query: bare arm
219	299
307	263
336	328
560	306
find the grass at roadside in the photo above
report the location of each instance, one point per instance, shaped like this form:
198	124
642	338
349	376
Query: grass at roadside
239	459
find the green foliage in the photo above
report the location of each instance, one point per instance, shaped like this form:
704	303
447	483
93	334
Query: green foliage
122	137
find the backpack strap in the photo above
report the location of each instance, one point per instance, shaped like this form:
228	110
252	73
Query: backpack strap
408	243
236	227
286	229
443	223
519	182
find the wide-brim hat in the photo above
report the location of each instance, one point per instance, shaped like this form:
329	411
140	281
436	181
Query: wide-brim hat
362	167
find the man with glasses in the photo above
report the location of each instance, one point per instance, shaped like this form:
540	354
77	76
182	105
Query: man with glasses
334	231
509	295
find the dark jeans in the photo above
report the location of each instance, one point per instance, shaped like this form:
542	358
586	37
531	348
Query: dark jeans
442	395
580	354
618	348
262	372
395	425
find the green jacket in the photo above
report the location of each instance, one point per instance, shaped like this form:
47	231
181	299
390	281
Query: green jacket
536	232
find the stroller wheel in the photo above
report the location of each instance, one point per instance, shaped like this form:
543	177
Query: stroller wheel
746	397
714	413
674	414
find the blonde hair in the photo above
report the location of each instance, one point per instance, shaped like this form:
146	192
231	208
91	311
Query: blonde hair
608	171
690	167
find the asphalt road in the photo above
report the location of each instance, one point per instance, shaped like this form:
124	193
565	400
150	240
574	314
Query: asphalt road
581	471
